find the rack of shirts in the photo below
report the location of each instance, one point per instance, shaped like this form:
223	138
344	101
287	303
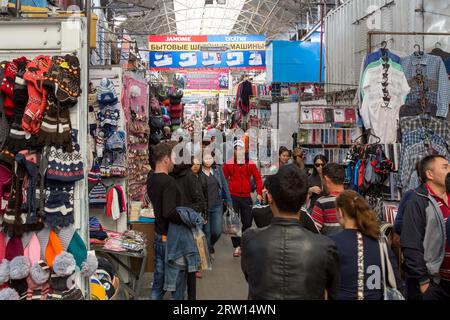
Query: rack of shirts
383	90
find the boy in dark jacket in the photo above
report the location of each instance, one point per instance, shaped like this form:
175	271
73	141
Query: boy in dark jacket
423	238
284	261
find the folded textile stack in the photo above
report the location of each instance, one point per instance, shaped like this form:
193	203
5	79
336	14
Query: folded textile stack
96	232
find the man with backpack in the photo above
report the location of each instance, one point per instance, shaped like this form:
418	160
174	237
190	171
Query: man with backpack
238	172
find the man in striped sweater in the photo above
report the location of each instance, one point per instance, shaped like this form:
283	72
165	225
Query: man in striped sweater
324	212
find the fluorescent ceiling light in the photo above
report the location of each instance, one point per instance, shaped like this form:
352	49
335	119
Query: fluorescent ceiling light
194	17
120	18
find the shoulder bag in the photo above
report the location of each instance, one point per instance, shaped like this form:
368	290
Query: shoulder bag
390	291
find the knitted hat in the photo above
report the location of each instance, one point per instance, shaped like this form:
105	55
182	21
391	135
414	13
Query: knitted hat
2	246
33	249
9	294
59	209
62	280
116	142
7	84
98	292
19	271
37	101
78	249
64	264
118	167
8	159
94	224
95	175
64	166
38	286
4	271
14	248
106	93
63	77
100	144
54	248
109	115
97	195
55	126
5	187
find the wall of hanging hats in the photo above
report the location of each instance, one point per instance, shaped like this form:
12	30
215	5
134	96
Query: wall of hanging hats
135	101
42	163
107	145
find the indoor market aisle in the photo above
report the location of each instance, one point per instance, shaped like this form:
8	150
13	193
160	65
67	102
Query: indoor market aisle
224	282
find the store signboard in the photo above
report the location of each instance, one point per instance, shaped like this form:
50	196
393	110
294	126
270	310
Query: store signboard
202	80
168	52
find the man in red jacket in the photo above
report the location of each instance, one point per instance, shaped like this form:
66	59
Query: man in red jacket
238	174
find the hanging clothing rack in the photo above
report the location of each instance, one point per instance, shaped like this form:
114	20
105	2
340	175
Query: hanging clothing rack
370	35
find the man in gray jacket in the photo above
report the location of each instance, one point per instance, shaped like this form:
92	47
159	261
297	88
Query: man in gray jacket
423	239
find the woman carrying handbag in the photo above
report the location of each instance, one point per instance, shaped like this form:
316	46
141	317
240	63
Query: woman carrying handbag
368	266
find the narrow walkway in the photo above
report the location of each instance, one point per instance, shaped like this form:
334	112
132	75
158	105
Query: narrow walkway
224	282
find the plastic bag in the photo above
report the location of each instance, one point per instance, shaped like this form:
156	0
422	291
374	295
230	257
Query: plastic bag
203	250
232	224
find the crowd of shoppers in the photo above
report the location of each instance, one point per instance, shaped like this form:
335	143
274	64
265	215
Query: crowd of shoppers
323	242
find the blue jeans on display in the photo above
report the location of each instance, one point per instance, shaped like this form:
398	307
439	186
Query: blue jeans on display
213	229
158	276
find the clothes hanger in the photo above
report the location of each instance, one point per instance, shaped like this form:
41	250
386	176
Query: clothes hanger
418	53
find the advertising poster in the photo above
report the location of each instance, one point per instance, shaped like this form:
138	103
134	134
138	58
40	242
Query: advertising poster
168	52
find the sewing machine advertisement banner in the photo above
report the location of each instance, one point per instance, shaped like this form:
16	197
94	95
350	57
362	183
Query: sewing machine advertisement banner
168	52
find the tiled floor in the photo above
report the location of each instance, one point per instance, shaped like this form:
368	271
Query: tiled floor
224	282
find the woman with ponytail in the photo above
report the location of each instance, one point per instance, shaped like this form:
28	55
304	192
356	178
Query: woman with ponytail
359	251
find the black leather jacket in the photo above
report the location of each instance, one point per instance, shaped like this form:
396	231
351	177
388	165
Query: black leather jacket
284	261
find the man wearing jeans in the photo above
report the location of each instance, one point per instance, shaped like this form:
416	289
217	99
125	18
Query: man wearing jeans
161	189
238	171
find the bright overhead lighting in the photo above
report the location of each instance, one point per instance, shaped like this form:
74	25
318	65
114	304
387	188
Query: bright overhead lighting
120	18
193	17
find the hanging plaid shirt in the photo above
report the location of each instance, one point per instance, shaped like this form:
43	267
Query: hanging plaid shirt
436	81
440	127
414	154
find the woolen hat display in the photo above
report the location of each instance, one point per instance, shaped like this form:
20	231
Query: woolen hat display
37	281
56	126
14	248
116	142
54	248
33	249
9	294
19	271
97	195
7	84
106	93
63	78
37	93
65	166
95	176
4	272
59	209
